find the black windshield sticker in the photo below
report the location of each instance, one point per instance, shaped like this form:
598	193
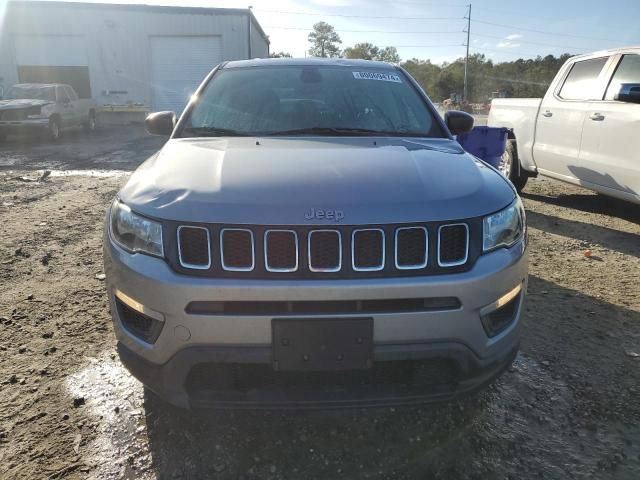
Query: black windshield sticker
384	77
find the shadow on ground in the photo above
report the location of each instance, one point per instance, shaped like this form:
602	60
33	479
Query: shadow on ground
591	203
547	417
623	242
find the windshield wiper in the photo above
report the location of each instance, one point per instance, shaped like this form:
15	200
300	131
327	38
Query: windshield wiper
323	131
337	131
215	132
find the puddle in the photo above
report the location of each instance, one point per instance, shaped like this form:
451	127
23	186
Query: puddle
114	400
90	173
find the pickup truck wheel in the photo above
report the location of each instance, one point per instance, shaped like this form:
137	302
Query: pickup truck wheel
509	166
90	124
54	129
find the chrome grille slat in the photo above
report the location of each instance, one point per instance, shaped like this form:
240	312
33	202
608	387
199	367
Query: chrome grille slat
355	251
410	266
237	268
308	252
310	255
463	259
268	250
182	253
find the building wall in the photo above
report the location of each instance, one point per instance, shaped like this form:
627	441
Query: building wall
116	38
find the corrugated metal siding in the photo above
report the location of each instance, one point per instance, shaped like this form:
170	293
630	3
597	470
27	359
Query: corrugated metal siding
118	40
48	50
259	48
178	65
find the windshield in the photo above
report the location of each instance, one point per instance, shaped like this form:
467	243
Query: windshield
310	99
32	93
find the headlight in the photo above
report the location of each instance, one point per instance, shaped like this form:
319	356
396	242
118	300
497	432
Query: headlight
135	233
35	113
504	228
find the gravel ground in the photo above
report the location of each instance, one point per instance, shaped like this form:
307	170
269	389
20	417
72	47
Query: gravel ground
568	408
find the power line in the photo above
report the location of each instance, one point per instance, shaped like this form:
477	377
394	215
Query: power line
512	53
385	17
428	46
434	2
451	32
518	40
512	27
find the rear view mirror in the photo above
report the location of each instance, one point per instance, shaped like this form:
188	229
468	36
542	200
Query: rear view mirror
458	122
160	123
629	92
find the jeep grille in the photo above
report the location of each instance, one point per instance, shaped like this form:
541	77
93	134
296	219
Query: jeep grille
318	252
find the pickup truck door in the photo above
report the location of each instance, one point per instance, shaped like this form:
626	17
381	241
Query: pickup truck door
64	106
561	118
77	106
610	149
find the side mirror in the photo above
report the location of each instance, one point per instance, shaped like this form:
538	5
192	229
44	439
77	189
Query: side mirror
160	123
458	122
629	92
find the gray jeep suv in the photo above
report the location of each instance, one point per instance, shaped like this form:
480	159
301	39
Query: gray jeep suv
313	235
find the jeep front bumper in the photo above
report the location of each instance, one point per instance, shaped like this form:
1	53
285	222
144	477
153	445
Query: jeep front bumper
226	360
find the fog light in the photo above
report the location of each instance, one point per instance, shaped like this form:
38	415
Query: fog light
138	320
501	313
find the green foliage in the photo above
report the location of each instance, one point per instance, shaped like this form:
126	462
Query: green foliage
324	41
368	51
279	55
520	78
389	54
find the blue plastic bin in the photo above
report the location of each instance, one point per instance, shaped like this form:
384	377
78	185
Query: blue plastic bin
486	143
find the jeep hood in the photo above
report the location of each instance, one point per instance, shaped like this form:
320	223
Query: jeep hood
245	180
22	103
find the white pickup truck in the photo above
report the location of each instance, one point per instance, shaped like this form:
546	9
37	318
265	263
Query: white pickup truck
586	129
45	107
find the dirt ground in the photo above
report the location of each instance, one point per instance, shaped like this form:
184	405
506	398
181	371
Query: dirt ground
568	408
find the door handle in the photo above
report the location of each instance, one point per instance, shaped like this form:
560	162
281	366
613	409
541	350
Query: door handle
547	114
596	117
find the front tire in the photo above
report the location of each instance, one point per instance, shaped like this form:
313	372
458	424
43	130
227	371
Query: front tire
54	129
90	124
510	167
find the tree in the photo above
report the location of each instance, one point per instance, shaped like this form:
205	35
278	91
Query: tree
389	54
324	41
520	78
280	55
365	51
368	51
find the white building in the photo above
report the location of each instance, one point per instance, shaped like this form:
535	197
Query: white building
123	54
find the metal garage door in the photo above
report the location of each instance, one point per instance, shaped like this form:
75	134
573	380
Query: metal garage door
178	65
53	59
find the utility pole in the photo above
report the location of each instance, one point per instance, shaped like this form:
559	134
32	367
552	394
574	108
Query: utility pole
466	62
249	32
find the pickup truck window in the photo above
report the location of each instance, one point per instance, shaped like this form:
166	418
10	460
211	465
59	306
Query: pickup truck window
31	92
310	100
628	71
61	95
582	81
70	93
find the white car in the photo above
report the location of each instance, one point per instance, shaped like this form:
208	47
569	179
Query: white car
586	129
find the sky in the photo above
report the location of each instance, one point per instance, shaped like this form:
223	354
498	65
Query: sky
432	29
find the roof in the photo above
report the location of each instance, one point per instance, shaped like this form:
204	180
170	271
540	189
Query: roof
610	51
38	85
312	61
146	8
